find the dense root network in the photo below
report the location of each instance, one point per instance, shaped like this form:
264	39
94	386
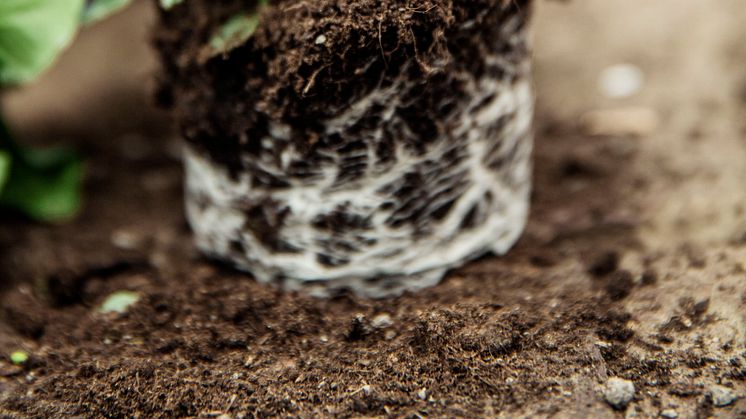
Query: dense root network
418	172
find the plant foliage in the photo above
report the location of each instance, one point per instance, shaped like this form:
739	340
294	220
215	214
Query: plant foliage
32	34
4	167
236	30
43	184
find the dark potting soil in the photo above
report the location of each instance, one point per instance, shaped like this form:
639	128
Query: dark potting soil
328	96
503	334
308	61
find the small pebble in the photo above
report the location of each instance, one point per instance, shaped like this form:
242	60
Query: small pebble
669	414
619	392
422	394
382	321
722	396
320	40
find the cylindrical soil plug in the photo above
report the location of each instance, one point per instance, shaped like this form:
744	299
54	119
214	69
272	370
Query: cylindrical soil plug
368	145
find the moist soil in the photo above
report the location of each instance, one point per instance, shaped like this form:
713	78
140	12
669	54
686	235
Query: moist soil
356	95
607	281
309	61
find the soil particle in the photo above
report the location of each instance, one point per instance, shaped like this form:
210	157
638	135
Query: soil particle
619	285
359	329
619	392
669	414
722	396
691	314
604	264
382	321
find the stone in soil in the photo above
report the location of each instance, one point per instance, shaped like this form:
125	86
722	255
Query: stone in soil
619	392
722	396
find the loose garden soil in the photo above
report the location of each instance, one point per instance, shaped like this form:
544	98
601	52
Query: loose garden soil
633	264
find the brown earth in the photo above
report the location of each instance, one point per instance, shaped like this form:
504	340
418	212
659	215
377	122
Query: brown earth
633	264
223	100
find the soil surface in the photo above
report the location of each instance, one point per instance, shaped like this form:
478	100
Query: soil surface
633	264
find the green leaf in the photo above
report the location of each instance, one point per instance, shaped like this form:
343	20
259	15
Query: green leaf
43	184
167	4
32	34
235	32
96	10
119	302
5	163
45	192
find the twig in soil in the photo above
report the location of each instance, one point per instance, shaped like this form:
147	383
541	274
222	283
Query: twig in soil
365	389
295	6
312	80
230	405
417	10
